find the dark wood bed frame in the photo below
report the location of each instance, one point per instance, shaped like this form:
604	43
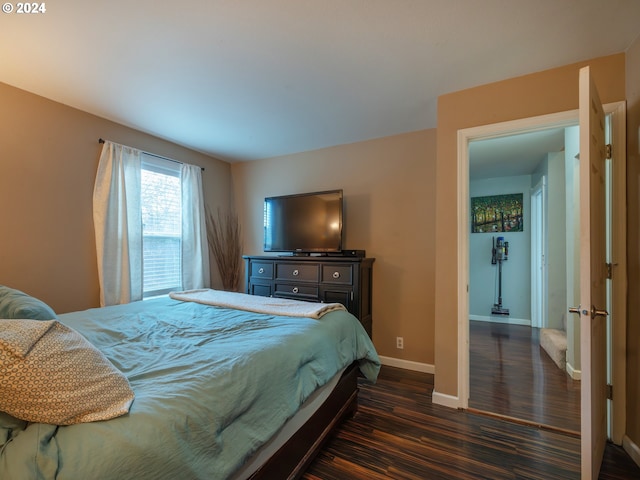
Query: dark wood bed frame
291	460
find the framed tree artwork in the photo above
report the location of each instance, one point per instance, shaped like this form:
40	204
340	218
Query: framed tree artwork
497	213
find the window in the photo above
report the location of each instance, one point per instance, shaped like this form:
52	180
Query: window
161	203
149	220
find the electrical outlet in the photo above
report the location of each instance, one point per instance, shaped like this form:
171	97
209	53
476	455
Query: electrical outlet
399	343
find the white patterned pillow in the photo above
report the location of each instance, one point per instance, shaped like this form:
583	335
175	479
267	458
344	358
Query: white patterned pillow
49	373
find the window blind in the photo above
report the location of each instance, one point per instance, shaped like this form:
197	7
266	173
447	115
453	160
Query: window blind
161	225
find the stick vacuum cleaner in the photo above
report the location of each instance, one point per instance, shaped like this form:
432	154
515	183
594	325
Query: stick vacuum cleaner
499	254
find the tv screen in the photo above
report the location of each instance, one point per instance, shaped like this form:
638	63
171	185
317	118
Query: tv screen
305	223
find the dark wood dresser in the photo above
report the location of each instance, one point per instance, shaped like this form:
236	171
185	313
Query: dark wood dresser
327	279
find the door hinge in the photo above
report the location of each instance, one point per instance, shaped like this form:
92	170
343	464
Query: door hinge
609	391
609	271
608	150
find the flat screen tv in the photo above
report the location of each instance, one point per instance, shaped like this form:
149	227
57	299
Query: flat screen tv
304	223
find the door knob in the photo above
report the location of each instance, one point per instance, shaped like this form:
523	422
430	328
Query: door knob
594	311
598	313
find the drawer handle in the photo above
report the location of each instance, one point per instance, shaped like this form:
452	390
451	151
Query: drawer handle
295	289
261	270
336	274
295	273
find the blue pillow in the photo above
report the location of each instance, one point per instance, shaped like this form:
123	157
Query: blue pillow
15	304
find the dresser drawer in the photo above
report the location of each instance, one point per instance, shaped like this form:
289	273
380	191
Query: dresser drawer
298	272
337	274
260	289
262	270
302	291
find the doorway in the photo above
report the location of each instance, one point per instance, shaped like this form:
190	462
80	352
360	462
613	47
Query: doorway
559	120
518	352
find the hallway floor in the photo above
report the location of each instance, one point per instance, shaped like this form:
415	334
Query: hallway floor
510	375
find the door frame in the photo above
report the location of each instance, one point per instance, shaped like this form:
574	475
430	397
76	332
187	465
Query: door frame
538	204
619	295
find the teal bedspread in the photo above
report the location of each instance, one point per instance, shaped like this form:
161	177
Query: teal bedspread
211	386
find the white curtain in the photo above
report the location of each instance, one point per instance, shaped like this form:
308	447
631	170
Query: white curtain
117	222
195	249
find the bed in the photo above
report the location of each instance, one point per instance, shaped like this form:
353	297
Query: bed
217	391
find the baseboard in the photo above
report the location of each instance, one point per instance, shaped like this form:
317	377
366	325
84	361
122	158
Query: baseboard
408	364
437	398
501	319
445	400
632	449
574	374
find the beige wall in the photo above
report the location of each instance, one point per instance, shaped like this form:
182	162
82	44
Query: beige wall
48	157
633	240
527	96
389	191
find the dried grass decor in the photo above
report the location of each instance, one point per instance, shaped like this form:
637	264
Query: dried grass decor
225	244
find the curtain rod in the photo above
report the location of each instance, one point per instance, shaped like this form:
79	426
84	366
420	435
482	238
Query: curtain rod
100	140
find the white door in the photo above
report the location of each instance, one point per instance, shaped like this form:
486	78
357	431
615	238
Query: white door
538	271
592	278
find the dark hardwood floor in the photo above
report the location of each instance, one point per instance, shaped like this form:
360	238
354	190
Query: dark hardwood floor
398	433
509	374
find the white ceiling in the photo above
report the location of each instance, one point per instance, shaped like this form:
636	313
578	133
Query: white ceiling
513	155
249	79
